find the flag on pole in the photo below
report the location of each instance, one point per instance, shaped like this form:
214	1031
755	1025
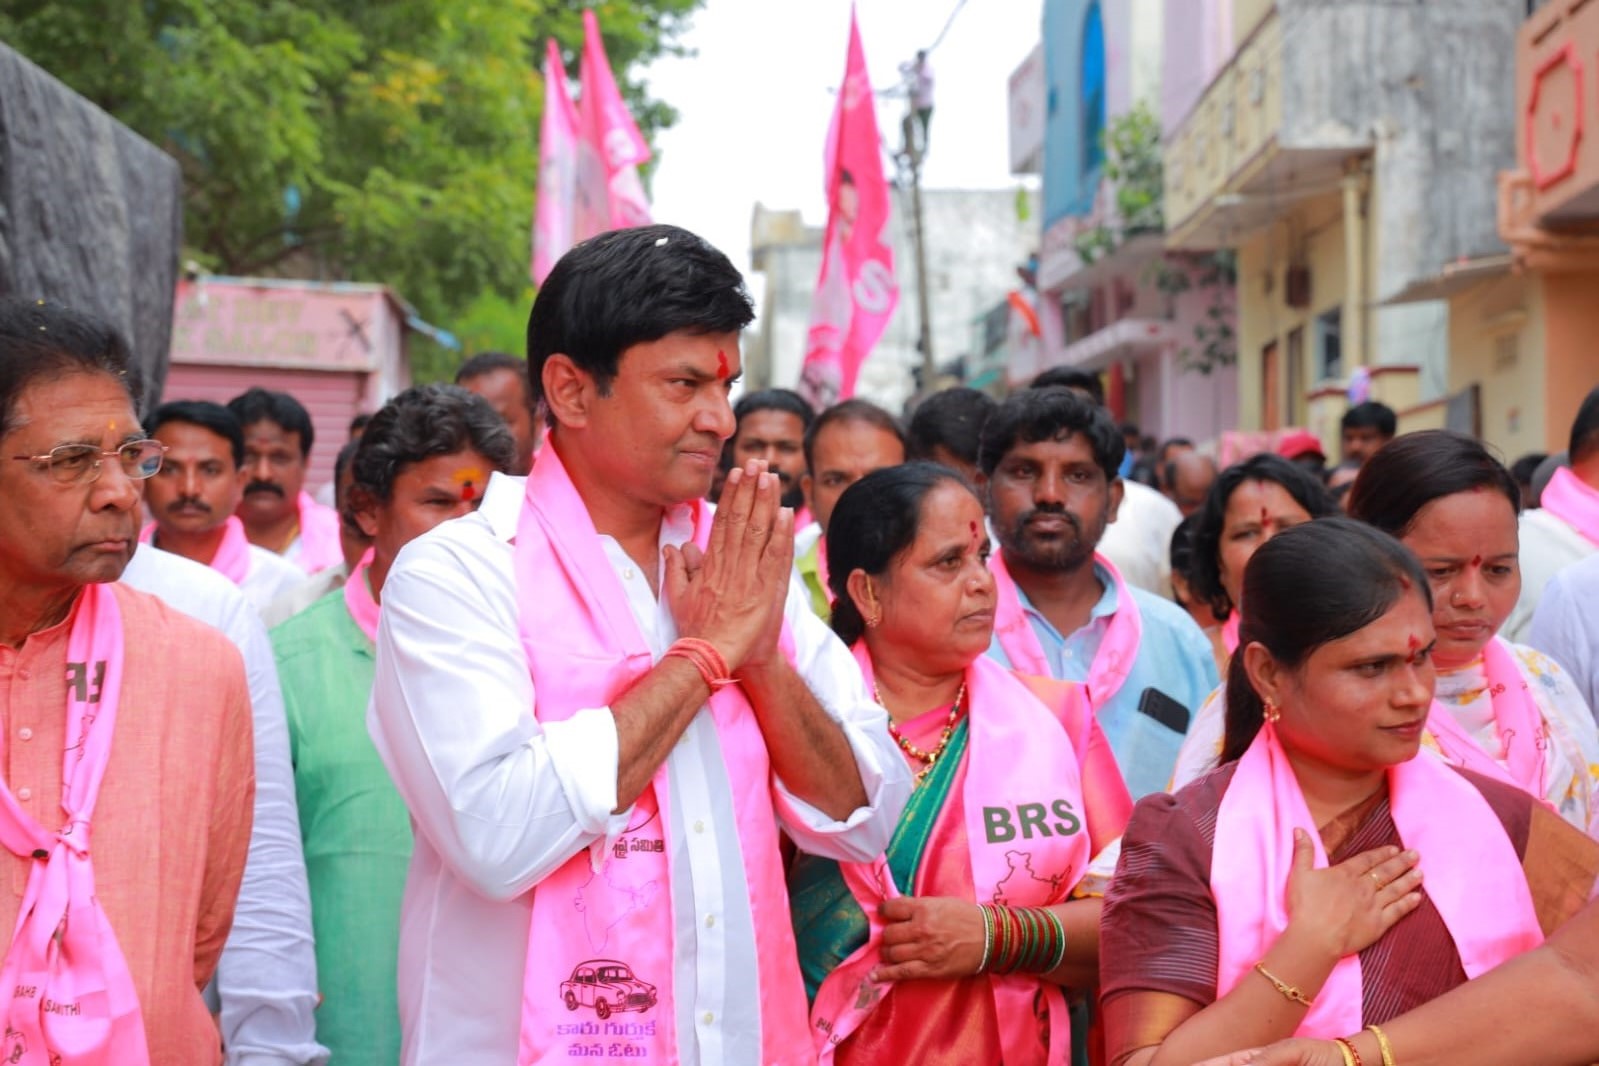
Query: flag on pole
552	217
855	291
610	147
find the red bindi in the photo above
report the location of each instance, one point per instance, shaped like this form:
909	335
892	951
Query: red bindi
721	365
468	493
1265	519
1476	561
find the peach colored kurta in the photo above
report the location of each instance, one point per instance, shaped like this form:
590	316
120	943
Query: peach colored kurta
172	824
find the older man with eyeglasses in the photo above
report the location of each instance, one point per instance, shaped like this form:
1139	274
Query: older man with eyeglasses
125	724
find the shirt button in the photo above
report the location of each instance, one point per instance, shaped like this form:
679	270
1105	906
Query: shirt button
24	794
25	733
709	1017
710	921
699	827
627	574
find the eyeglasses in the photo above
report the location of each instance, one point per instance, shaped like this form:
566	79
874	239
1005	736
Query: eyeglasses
75	464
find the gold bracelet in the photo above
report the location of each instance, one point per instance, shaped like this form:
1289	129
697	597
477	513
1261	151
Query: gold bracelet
1351	1056
1288	991
1386	1048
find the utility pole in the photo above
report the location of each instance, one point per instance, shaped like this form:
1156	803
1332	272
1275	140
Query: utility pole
912	148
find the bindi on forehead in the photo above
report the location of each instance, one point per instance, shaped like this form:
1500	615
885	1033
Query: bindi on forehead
721	365
1476	562
1413	643
469	479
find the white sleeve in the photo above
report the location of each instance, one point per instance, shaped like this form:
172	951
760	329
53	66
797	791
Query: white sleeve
503	799
834	678
266	978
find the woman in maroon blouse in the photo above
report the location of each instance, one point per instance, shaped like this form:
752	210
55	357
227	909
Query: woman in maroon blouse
1335	644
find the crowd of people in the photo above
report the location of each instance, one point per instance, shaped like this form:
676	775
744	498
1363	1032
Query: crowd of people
589	714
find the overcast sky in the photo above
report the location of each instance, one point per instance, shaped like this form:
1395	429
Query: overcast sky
755	98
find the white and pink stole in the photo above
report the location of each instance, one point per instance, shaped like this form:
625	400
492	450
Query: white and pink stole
609	907
1571	500
1117	651
358	599
1517	720
232	558
1025	765
319	536
1474	876
73	1002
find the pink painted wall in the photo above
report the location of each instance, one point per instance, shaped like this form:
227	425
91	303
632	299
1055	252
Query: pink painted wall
1199	41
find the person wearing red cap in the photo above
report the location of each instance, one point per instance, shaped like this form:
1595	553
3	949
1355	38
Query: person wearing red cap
1304	447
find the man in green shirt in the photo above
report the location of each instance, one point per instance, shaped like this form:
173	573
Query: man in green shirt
425	458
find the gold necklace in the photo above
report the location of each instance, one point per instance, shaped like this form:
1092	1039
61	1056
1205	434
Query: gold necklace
929	757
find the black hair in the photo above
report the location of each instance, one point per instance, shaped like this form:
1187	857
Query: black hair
1204	572
1066	377
358	423
875	520
263	405
41	340
1163	452
1409	472
1523	469
1585	429
629	287
1307	587
1034	415
953	420
1371	415
425	421
785	400
487	363
855	410
341	463
1181	553
212	417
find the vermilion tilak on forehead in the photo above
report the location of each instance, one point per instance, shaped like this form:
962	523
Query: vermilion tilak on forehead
1476	561
1414	643
721	365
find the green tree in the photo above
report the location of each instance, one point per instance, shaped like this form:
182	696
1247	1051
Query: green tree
373	140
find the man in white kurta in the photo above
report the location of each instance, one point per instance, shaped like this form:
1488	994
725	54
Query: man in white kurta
501	800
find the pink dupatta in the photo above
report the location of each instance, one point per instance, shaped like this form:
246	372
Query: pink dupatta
1474	876
73	1001
319	536
1016	760
1571	500
358	597
1117	651
1517	721
599	977
232	558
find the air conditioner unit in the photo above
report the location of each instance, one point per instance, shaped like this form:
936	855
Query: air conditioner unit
1296	286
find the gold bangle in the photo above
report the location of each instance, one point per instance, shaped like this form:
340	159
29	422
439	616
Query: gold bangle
1288	991
1383	1046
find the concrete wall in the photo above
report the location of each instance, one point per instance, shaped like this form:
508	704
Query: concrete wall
1496	340
1201	32
1571	309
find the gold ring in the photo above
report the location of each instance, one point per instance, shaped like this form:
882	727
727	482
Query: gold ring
1376	880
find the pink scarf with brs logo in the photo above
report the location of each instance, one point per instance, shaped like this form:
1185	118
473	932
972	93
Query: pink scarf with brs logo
1021	757
599	978
73	1002
232	558
1474	875
1571	500
1117	650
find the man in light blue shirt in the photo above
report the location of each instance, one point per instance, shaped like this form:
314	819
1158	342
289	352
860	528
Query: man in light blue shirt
1566	625
1049	462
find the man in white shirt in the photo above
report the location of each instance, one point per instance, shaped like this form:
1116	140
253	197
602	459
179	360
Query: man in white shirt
1566	627
515	785
193	497
266	983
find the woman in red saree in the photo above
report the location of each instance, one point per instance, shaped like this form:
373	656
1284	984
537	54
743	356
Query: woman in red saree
1017	794
1280	894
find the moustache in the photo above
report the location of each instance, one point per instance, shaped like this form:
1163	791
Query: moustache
188	503
264	486
1050	512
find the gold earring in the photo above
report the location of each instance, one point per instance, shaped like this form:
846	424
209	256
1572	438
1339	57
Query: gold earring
871	623
1272	711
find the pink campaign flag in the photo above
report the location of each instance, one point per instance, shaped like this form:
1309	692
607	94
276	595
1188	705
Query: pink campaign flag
553	218
856	291
610	147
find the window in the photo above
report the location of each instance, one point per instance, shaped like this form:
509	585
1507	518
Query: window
1296	376
1092	89
1330	344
